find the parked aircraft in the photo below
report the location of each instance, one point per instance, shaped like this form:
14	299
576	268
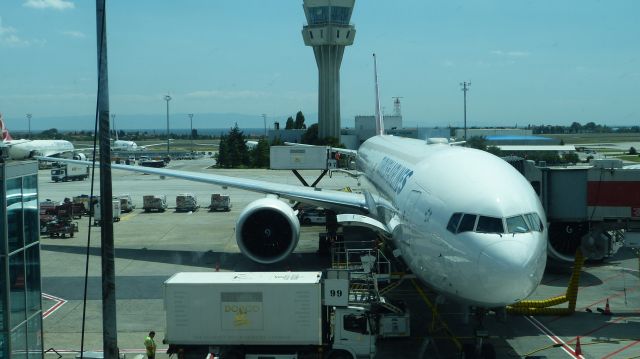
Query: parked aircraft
24	149
464	221
123	145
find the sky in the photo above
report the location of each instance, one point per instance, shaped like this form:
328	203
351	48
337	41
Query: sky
529	62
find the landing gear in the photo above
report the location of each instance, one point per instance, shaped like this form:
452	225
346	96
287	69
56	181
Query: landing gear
480	349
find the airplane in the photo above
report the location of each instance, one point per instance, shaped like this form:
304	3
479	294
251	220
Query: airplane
25	149
123	145
464	221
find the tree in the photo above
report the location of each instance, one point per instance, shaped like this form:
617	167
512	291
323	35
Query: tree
632	151
289	125
575	127
194	133
299	122
477	142
233	151
311	135
260	154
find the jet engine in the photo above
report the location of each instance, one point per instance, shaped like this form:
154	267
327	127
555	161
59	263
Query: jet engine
80	157
267	230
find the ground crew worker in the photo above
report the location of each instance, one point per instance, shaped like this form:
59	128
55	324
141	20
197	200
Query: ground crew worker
150	344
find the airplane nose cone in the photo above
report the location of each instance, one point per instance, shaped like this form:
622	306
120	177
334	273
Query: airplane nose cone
509	270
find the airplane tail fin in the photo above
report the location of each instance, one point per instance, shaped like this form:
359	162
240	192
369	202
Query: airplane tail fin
5	133
379	119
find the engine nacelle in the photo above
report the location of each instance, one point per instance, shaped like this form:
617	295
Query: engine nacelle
267	230
79	157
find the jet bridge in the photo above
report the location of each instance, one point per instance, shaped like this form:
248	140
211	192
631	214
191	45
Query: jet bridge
591	206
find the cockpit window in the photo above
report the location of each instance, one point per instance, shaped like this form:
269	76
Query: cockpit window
489	225
453	222
464	222
517	224
467	223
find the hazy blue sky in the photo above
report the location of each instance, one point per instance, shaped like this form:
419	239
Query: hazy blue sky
528	61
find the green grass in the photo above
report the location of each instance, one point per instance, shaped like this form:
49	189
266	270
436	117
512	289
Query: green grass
573	138
630	158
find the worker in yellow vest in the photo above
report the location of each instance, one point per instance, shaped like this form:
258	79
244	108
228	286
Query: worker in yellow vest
150	344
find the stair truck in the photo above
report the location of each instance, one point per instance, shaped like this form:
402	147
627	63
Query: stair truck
275	315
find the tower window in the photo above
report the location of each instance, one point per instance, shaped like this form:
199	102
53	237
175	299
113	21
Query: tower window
348	33
311	34
338	33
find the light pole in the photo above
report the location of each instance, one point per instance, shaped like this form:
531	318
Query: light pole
113	121
264	119
29	124
191	135
167	98
465	87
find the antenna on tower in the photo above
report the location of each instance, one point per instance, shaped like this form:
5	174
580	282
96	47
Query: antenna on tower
396	105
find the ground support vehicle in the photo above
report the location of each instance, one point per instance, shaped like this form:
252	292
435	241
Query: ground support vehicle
69	172
82	202
245	315
186	202
61	228
220	202
126	204
154	203
97	218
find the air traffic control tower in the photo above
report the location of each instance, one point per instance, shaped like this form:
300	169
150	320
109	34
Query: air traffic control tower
328	31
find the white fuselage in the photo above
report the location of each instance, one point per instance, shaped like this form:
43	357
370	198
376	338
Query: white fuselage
121	145
24	149
426	185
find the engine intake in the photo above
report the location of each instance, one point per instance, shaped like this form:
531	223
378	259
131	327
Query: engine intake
267	231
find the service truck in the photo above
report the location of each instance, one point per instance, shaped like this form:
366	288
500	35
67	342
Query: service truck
220	202
275	315
69	172
126	204
154	203
97	212
186	202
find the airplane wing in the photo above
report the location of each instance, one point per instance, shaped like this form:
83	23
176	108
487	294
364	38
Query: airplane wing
350	202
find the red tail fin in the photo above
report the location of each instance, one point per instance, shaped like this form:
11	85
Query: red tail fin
5	133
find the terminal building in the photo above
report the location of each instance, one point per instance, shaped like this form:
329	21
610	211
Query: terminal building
20	284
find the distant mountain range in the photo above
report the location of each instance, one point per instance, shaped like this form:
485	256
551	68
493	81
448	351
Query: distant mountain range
177	121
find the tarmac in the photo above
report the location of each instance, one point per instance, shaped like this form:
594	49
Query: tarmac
150	247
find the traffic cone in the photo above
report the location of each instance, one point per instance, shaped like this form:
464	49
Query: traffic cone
578	347
607	310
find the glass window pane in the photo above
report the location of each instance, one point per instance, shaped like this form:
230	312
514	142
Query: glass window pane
489	225
517	224
34	336
33	280
340	15
4	347
3	295
30	204
467	223
318	15
453	222
16	287
14	214
19	342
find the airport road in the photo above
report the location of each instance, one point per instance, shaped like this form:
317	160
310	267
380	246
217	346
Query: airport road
152	247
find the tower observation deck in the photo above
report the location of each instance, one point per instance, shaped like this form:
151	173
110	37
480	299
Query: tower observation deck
328	31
